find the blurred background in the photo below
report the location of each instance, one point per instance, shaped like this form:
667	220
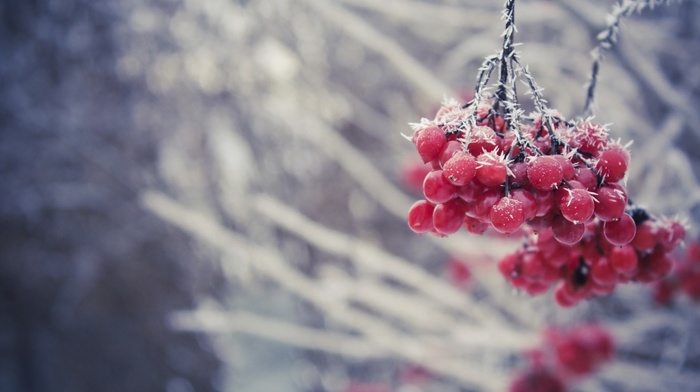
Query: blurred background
210	195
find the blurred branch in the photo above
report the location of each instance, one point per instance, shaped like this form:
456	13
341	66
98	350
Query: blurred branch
375	258
412	70
437	359
213	321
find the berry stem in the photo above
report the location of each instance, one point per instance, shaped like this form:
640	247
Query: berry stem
507	50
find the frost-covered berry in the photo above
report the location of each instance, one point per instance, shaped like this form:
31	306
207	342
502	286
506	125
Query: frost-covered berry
507	215
544	173
612	164
460	169
429	142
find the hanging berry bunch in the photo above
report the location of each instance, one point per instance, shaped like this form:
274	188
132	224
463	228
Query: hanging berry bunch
564	357
559	182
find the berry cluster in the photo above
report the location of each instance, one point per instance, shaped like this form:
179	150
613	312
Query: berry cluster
565	356
548	176
685	278
594	265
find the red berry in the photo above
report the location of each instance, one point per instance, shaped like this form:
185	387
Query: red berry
577	205
671	234
528	201
541	223
621	231
623	259
545	202
484	202
507	215
481	139
567	167
437	189
474	225
586	177
448	150
566	231
612	164
603	273
589	138
449	216
420	217
544	173
491	171
611	203
429	143
563	298
536	380
460	169
645	239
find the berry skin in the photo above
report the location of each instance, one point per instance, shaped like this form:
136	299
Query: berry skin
460	169
491	171
448	150
507	215
528	201
658	263
474	225
519	179
420	217
567	167
566	231
544	173
603	273
545	202
586	177
482	139
612	164
484	202
429	143
670	234
611	203
577	205
621	231
623	259
437	189
562	297
449	216
646	237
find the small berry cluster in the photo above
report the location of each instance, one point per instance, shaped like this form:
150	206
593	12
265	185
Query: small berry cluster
594	265
547	176
685	278
565	356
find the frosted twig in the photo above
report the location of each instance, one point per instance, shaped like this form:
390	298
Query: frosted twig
608	37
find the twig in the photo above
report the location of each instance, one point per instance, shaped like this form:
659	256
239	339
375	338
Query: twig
213	321
608	37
